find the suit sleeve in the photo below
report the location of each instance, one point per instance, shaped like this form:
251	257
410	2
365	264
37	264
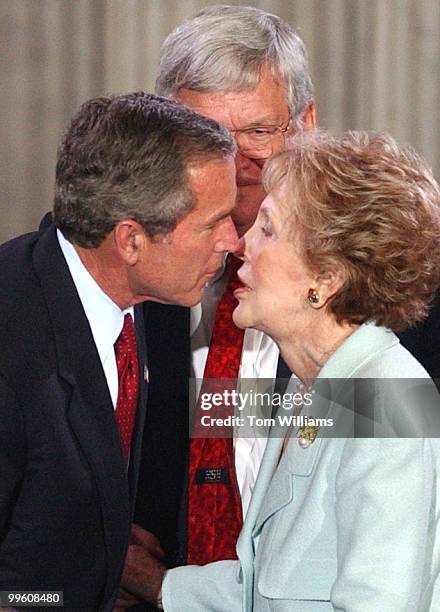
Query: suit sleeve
11	454
384	491
213	587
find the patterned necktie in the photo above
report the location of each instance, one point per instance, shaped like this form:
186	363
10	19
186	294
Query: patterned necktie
214	505
128	382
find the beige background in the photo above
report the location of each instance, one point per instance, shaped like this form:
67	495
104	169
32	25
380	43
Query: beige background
375	64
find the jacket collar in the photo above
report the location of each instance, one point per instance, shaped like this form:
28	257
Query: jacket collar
363	344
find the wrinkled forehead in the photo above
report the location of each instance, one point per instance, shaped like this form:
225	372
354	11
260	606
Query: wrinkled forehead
263	104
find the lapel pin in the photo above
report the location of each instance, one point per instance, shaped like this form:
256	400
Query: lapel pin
307	435
146	374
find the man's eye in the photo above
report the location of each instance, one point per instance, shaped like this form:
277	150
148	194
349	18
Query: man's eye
260	132
266	229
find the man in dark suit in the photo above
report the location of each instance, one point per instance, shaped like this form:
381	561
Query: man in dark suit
141	184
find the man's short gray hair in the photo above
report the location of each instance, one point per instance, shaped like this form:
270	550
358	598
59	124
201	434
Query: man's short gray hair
127	157
223	48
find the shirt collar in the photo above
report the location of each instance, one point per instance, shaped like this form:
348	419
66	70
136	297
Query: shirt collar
105	317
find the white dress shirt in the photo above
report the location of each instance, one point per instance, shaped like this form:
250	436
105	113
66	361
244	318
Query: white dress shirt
259	359
105	317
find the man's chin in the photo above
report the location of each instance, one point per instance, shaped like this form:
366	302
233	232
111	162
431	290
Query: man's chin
187	301
193	298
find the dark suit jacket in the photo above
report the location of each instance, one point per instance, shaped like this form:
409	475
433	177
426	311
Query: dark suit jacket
66	499
423	341
160	501
166	431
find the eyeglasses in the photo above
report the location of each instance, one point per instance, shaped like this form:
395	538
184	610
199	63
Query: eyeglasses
259	142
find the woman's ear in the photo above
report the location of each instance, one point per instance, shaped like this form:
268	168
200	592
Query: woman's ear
326	285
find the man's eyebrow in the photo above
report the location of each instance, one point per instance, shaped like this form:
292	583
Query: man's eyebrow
217	217
264	120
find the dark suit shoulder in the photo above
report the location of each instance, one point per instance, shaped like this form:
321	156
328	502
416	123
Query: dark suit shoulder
423	340
18	280
24	324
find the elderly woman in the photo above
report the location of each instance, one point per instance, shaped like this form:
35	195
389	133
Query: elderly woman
344	252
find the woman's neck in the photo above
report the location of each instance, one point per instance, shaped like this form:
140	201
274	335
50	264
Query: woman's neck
306	351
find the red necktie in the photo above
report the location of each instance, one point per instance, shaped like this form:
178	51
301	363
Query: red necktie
128	382
214	505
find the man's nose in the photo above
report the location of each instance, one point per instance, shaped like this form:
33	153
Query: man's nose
229	241
240	248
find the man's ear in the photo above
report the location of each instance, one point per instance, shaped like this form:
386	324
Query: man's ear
130	240
308	118
326	285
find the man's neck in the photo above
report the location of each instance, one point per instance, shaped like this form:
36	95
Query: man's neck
108	272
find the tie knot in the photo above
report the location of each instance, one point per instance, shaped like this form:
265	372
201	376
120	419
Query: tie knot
127	338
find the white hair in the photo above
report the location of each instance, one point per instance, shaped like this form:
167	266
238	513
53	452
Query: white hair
223	48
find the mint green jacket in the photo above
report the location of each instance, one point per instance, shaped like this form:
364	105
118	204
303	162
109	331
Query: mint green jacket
346	525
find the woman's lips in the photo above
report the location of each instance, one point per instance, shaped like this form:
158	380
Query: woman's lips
241	290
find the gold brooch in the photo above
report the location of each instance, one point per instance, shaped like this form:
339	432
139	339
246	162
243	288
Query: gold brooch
307	435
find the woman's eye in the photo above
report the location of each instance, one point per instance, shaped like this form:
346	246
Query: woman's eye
267	230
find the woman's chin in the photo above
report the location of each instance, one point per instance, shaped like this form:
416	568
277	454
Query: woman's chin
239	317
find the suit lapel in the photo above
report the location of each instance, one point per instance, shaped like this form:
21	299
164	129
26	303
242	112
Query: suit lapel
278	481
90	411
296	460
245	544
